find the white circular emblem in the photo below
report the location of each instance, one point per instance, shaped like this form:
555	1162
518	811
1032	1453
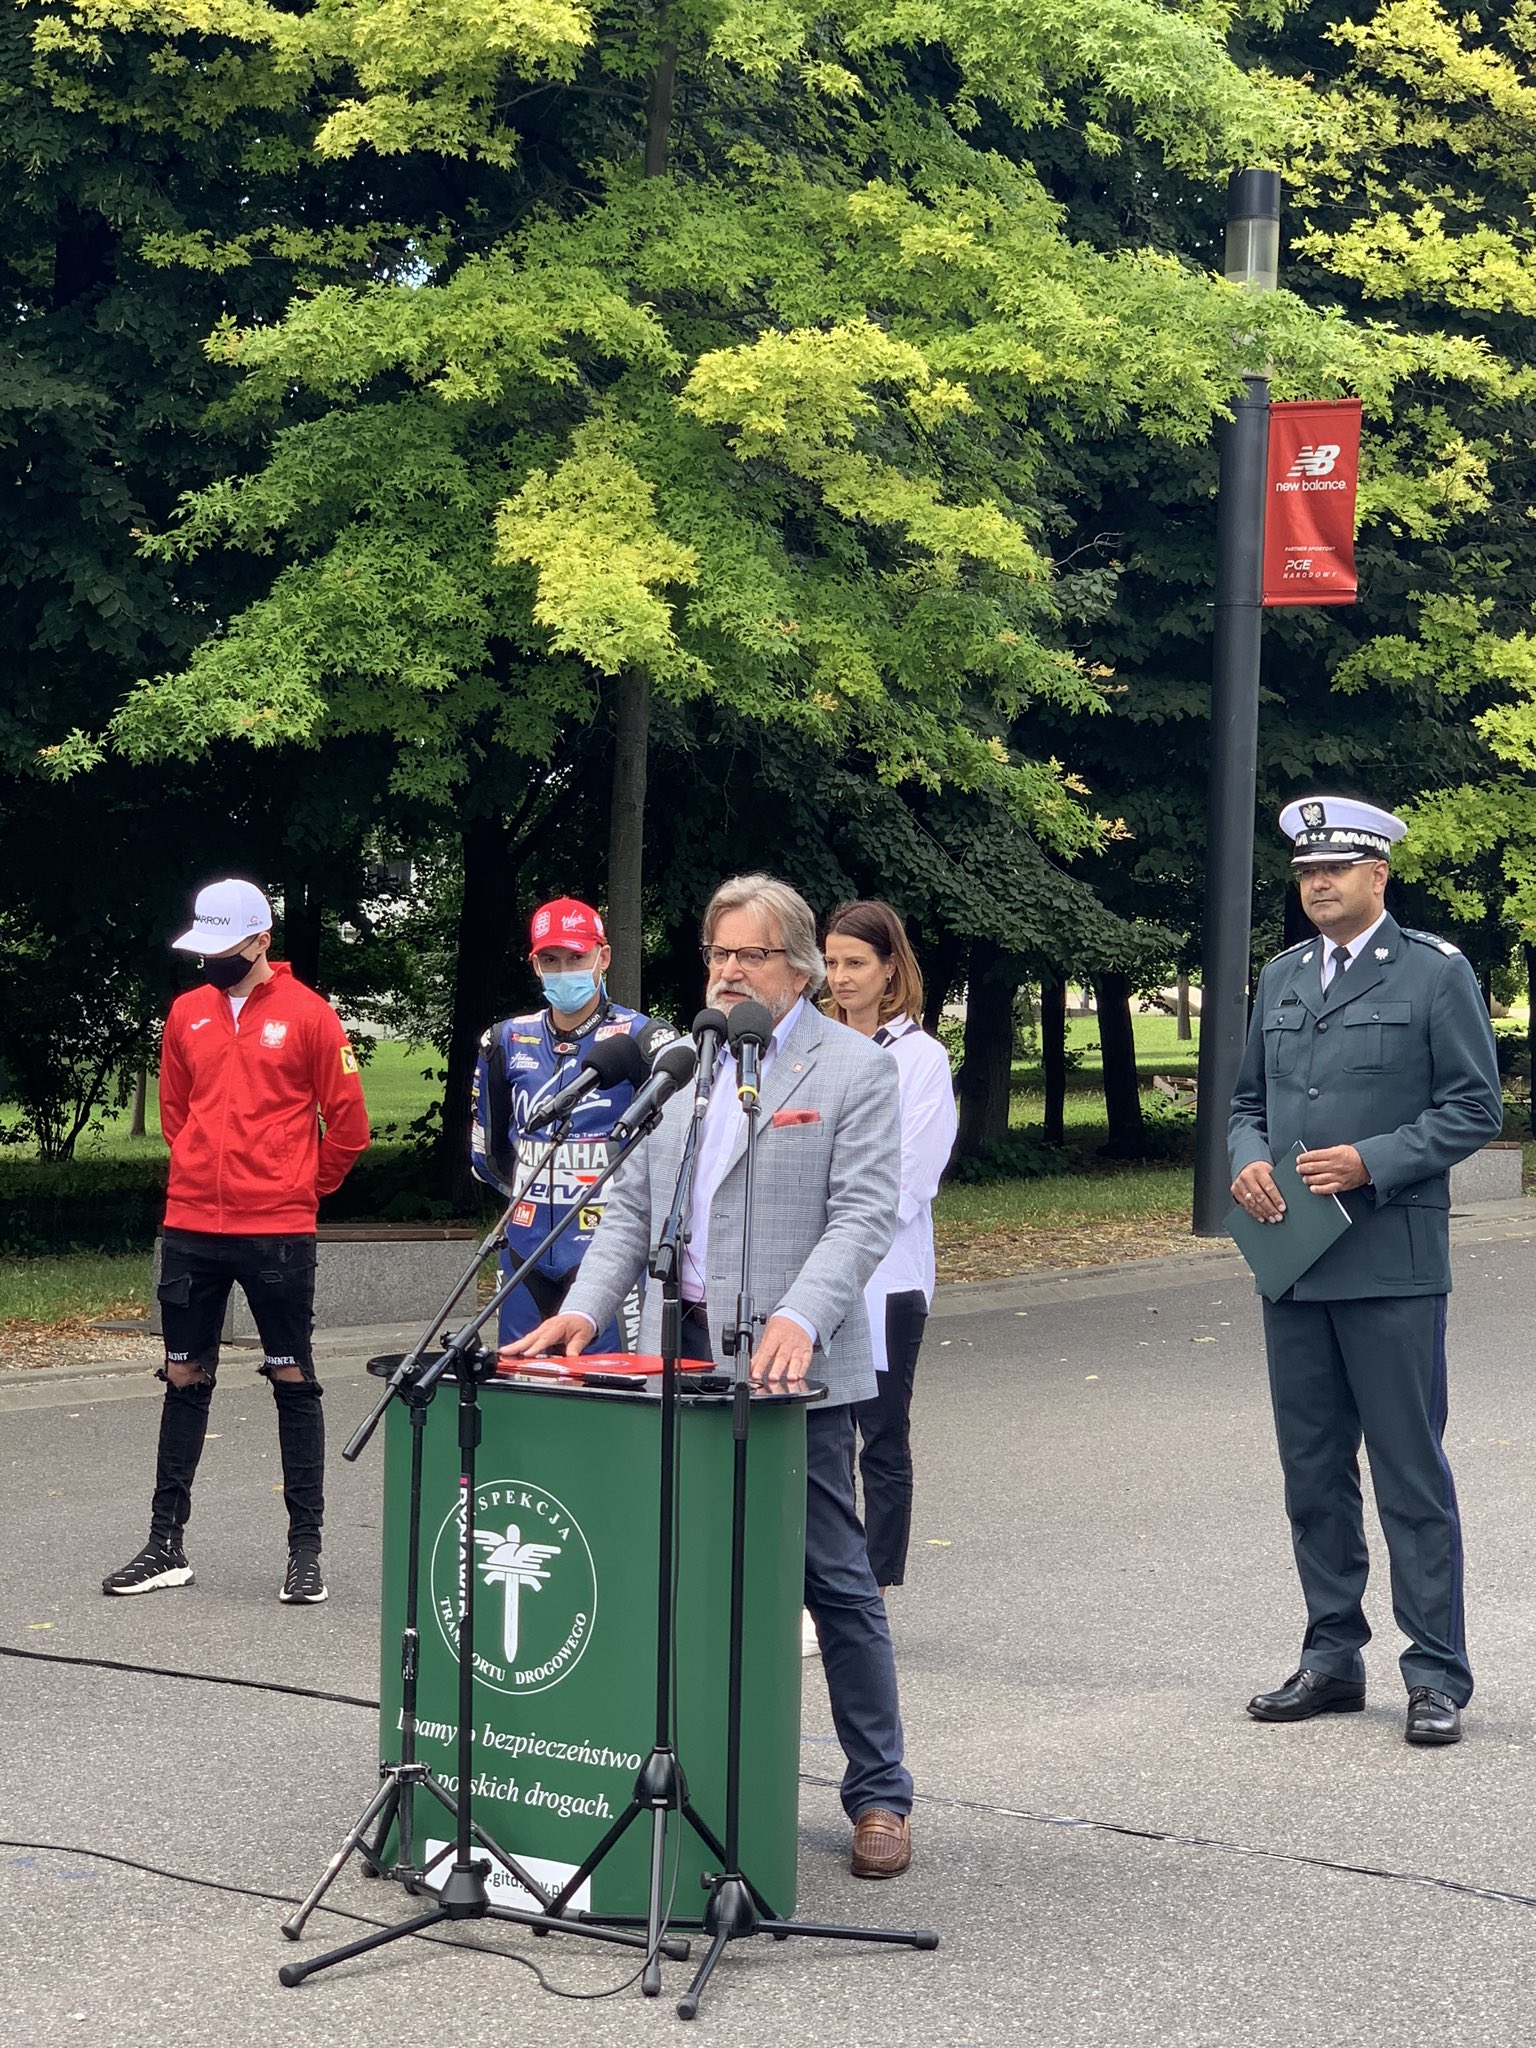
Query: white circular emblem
535	1586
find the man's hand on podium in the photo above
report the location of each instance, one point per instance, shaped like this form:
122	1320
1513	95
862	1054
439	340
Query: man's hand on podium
557	1336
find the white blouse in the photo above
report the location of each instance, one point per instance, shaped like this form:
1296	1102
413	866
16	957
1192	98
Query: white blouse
928	1125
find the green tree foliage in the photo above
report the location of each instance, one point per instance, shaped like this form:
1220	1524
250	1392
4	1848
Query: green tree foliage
1433	122
769	429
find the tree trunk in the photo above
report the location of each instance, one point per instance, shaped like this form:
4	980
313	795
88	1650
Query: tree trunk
658	127
626	834
487	914
1530	1025
986	1073
1184	1031
1053	1055
941	964
632	694
1117	1043
303	916
140	1103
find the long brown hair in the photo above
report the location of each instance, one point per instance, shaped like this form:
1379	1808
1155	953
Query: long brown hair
877	926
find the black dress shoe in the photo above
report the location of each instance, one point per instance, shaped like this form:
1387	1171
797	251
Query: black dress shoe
1306	1693
1433	1717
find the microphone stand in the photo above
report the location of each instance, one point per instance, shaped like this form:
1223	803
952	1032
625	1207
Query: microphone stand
660	1786
464	1895
736	1907
395	1800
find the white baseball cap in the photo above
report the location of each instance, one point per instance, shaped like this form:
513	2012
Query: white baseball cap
224	916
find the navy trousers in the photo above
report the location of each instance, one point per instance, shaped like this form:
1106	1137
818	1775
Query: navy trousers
845	1604
885	1427
1340	1371
540	1296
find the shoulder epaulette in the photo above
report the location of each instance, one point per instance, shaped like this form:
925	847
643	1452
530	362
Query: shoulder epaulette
1299	947
1432	939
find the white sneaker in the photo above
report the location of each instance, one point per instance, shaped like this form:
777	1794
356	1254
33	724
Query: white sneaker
810	1644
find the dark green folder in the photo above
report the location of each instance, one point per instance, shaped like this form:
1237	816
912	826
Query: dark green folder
1280	1253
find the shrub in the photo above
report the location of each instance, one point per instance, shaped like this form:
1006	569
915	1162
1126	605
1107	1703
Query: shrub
1022	1155
115	1205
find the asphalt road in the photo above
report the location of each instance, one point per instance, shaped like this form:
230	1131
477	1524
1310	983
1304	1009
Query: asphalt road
1110	1850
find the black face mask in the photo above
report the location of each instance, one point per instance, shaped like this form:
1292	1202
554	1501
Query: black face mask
227	971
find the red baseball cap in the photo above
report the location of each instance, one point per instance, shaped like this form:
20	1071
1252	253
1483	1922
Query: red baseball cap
573	927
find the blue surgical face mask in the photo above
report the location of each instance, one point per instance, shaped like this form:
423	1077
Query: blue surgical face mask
571	991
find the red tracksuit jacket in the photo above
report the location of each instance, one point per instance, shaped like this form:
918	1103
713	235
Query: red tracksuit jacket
238	1108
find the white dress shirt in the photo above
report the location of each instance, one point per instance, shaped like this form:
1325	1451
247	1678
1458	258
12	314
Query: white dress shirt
715	1139
1354	948
928	1126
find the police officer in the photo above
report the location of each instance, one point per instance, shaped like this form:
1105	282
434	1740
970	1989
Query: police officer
1370	1047
523	1062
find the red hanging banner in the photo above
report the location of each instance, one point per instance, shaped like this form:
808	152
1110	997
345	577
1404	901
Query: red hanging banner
1309	502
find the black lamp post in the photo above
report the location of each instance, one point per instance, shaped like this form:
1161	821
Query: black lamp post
1252	260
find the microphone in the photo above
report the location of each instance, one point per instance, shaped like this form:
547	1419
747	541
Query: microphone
710	1031
673	1069
655	1035
749	1029
612	1063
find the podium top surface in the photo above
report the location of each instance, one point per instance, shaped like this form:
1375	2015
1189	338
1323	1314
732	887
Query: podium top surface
613	1376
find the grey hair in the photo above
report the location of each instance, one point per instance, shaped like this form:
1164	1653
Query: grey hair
787	908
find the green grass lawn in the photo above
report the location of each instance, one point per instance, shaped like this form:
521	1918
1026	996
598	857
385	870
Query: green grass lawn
399	1083
85	1284
1131	1194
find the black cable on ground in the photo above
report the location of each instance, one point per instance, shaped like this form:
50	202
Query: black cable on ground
243	1891
1077	1824
300	1692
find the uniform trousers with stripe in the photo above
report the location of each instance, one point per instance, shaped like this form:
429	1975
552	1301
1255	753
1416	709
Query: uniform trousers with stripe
1340	1372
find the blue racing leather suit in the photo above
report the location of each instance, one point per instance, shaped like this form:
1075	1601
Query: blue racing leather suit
523	1062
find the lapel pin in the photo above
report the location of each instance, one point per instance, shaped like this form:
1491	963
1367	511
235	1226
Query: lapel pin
1383	953
796	1068
1306	959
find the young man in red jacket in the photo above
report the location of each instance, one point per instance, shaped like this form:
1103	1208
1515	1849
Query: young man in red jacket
250	1061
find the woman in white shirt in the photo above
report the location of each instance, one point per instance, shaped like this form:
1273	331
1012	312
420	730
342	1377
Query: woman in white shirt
873	985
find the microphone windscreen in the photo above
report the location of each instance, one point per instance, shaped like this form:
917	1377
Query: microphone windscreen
616	1060
652	1037
678	1059
710	1020
749	1024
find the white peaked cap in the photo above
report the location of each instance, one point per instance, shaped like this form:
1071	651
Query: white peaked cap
224	916
1338	828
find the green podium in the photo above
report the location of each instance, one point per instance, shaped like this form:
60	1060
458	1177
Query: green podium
565	1544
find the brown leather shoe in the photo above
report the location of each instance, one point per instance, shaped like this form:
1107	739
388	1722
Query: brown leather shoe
882	1843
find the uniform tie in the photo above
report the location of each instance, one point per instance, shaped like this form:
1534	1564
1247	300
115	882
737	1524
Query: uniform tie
1340	958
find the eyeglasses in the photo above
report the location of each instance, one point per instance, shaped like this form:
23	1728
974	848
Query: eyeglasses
744	956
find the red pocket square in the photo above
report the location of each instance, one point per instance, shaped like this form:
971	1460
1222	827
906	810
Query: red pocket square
781	1117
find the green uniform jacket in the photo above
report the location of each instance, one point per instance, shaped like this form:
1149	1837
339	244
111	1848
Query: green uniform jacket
1396	1059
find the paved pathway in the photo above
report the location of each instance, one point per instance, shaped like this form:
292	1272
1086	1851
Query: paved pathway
1111	1851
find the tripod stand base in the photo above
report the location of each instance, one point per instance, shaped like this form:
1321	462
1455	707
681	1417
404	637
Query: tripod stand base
732	1915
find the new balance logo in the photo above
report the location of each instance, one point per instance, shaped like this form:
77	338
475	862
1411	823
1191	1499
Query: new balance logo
1315	461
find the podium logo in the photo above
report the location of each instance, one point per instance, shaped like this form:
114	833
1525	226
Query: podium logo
535	1587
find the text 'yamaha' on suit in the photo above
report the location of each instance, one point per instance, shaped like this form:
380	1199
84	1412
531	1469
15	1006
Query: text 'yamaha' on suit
824	1207
1396	1058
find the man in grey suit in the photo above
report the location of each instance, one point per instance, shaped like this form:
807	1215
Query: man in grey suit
825	1199
1370	1047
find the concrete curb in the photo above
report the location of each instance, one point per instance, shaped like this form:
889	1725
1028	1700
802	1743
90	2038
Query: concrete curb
954	1299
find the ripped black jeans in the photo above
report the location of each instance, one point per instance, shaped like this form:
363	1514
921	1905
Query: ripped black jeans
277	1276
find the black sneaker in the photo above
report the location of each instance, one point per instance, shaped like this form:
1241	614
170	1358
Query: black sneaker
157	1564
303	1587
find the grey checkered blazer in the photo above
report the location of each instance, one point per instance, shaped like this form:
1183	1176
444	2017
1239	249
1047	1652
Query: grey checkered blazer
824	1205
